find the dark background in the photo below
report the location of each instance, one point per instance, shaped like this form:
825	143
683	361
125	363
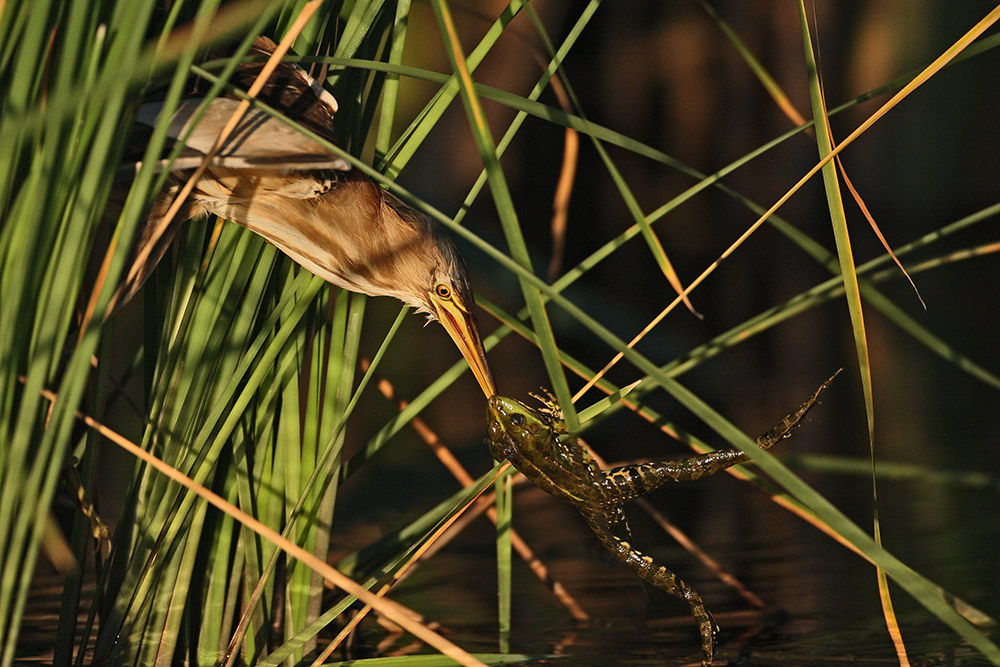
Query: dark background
664	74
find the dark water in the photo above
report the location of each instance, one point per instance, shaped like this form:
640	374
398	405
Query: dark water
823	606
822	602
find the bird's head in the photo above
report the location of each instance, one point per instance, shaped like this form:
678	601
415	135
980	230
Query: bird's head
420	265
449	299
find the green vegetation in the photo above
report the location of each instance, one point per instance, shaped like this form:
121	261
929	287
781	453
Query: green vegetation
243	372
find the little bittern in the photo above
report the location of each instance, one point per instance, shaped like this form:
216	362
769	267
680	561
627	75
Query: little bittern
330	219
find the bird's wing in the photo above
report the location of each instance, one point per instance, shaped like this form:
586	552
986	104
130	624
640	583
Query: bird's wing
289	87
260	141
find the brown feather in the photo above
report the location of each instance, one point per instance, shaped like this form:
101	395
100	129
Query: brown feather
336	223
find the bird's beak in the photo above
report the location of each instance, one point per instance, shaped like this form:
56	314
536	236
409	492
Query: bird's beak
461	326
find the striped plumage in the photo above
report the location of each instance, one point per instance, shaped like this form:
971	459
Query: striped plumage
332	220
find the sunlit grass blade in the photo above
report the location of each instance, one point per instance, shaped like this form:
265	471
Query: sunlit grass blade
852	293
759	70
784	103
248	364
504	205
875	228
652	240
605	403
643	222
806	300
54	185
397	157
391	610
504	508
824	515
382	561
462	476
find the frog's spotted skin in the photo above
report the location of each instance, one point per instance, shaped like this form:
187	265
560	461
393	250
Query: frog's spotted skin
537	444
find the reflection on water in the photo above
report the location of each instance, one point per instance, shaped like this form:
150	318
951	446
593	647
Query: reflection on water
823	602
823	607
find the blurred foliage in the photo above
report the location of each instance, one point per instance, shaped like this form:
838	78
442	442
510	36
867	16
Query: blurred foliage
241	370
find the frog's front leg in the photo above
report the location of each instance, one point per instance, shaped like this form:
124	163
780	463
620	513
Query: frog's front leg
603	523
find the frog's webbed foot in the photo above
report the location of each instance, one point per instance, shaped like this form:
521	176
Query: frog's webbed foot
792	420
656	574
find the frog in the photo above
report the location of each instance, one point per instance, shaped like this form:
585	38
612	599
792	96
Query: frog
538	445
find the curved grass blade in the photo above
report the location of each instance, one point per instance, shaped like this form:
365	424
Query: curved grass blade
852	293
504	204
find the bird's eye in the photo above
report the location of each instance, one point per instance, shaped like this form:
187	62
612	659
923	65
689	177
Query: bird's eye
517	419
442	290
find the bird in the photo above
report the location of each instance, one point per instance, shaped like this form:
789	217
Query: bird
308	202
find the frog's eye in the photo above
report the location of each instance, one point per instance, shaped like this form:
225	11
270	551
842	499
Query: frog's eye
443	291
517	419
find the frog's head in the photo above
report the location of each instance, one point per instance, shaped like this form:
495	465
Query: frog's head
512	418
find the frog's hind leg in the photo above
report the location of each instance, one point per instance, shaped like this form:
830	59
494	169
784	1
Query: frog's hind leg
632	481
656	574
